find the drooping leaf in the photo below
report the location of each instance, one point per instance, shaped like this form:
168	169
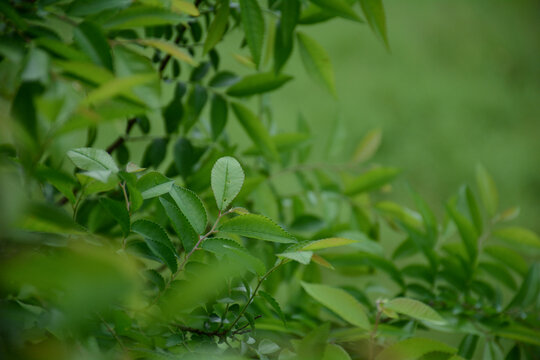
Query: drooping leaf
338	7
371	180
227	179
258	83
253	22
374	12
157	240
256	131
191	206
415	309
119	212
413	348
218	115
217	26
91	159
257	227
340	302
316	62
183	228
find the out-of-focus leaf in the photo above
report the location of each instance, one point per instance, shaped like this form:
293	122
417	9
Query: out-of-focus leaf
488	190
157	240
91	41
117	86
371	180
141	16
499	273
530	289
274	304
226	180
413	348
466	229
508	257
258	83
415	309
217	26
174	111
303	257
284	143
317	62
338	7
519	333
184	7
155	153
368	146
374	12
340	302
257	227
171	49
253	22
468	346
517	236
284	37
328	243
335	352
313	345
90	7
119	212
256	130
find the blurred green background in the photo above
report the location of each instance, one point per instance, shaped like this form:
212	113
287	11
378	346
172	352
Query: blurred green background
459	86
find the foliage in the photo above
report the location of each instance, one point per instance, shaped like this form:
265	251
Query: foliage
198	247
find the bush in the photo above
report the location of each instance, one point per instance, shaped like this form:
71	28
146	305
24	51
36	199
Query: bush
203	247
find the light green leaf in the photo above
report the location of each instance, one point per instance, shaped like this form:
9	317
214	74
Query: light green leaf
253	22
142	16
258	83
227	180
185	7
303	257
340	302
508	257
488	190
335	352
530	289
91	159
374	12
171	49
368	146
236	252
117	86
274	304
157	240
339	8
414	309
267	347
256	131
413	348
316	62
154	184
328	243
371	180
518	236
217	26
191	206
119	212
257	227
187	235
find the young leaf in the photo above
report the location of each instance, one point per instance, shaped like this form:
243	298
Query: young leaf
227	180
157	240
303	257
517	236
371	180
488	190
119	212
181	225
338	7
171	49
217	26
274	304
340	302
218	115
253	22
413	348
414	309
91	159
184	7
374	12
256	131
368	146
317	62
257	227
328	243
258	83
191	206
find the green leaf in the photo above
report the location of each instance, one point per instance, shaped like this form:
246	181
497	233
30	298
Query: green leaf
191	206
415	309
217	26
258	83
317	62
253	21
519	333
517	236
155	153
374	12
312	345
187	235
530	289
91	159
257	227
226	180
185	7
335	352
284	39
473	209
142	16
488	190
218	115
340	302
90	7
303	257
256	131
328	243
171	49
499	273
60	180
508	257
91	41
368	146
284	143
413	348
371	180
157	240
338	7
468	346
119	212
274	304
117	86
466	230
154	184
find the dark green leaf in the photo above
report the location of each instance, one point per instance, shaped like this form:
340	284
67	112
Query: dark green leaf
158	241
119	212
218	115
253	22
258	83
468	346
339	8
183	228
371	180
217	27
91	41
374	12
191	206
257	227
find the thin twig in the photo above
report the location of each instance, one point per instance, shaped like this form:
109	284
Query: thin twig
113	333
